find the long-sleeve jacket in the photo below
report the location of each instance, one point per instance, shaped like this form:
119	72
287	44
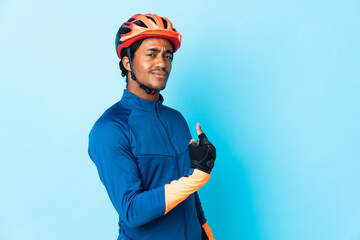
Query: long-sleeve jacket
139	147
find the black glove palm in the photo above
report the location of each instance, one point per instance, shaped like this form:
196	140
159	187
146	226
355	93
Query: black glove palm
203	155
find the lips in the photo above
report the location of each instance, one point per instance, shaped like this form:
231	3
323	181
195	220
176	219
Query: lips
159	73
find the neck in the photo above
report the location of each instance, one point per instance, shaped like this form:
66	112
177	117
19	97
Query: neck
142	94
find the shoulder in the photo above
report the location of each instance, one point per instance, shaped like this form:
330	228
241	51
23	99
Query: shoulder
109	137
117	113
112	123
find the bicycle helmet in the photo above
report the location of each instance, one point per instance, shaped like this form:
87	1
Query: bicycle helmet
142	26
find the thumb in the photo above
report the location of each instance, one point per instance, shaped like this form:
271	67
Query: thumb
198	129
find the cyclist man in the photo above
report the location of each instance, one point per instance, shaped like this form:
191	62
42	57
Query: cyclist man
143	151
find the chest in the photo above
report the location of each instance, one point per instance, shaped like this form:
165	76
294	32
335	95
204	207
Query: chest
159	143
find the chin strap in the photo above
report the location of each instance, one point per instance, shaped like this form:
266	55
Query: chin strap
145	88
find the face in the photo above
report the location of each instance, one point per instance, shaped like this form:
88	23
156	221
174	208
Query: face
152	62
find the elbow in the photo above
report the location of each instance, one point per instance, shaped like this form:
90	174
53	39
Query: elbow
132	218
136	210
132	222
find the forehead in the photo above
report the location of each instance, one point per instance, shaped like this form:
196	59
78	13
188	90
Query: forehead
159	43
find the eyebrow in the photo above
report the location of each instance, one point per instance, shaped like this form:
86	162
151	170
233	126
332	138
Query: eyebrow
157	50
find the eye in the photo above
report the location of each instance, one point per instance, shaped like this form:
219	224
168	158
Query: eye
151	55
169	57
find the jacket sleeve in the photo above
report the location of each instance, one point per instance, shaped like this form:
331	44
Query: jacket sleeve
109	148
206	230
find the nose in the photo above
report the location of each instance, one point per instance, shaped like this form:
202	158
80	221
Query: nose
160	62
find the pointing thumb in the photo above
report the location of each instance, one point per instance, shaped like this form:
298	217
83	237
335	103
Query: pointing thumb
198	129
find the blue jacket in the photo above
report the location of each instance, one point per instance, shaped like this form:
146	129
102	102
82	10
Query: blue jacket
138	146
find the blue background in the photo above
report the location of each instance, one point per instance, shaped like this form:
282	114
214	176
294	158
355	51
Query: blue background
274	84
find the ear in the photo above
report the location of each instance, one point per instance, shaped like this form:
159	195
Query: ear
126	63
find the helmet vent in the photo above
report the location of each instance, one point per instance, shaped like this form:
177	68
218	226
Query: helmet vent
140	23
131	19
164	22
151	19
124	30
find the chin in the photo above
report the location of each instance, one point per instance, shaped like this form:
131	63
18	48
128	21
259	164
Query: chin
159	86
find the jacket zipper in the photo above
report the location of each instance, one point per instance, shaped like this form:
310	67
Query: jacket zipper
177	168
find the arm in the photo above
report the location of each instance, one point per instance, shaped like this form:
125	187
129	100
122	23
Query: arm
110	150
178	190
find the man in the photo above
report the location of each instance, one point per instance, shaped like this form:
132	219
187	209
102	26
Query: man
143	151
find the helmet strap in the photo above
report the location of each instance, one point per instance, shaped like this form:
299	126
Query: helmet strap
142	86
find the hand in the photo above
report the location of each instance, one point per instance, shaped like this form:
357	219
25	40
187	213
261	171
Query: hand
202	153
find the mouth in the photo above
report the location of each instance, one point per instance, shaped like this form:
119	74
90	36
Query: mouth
159	73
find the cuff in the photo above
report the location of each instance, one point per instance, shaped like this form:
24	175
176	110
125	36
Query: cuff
208	231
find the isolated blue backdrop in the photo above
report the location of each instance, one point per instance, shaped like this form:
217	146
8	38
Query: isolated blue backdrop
274	84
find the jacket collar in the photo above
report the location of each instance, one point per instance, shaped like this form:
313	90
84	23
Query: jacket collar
135	102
